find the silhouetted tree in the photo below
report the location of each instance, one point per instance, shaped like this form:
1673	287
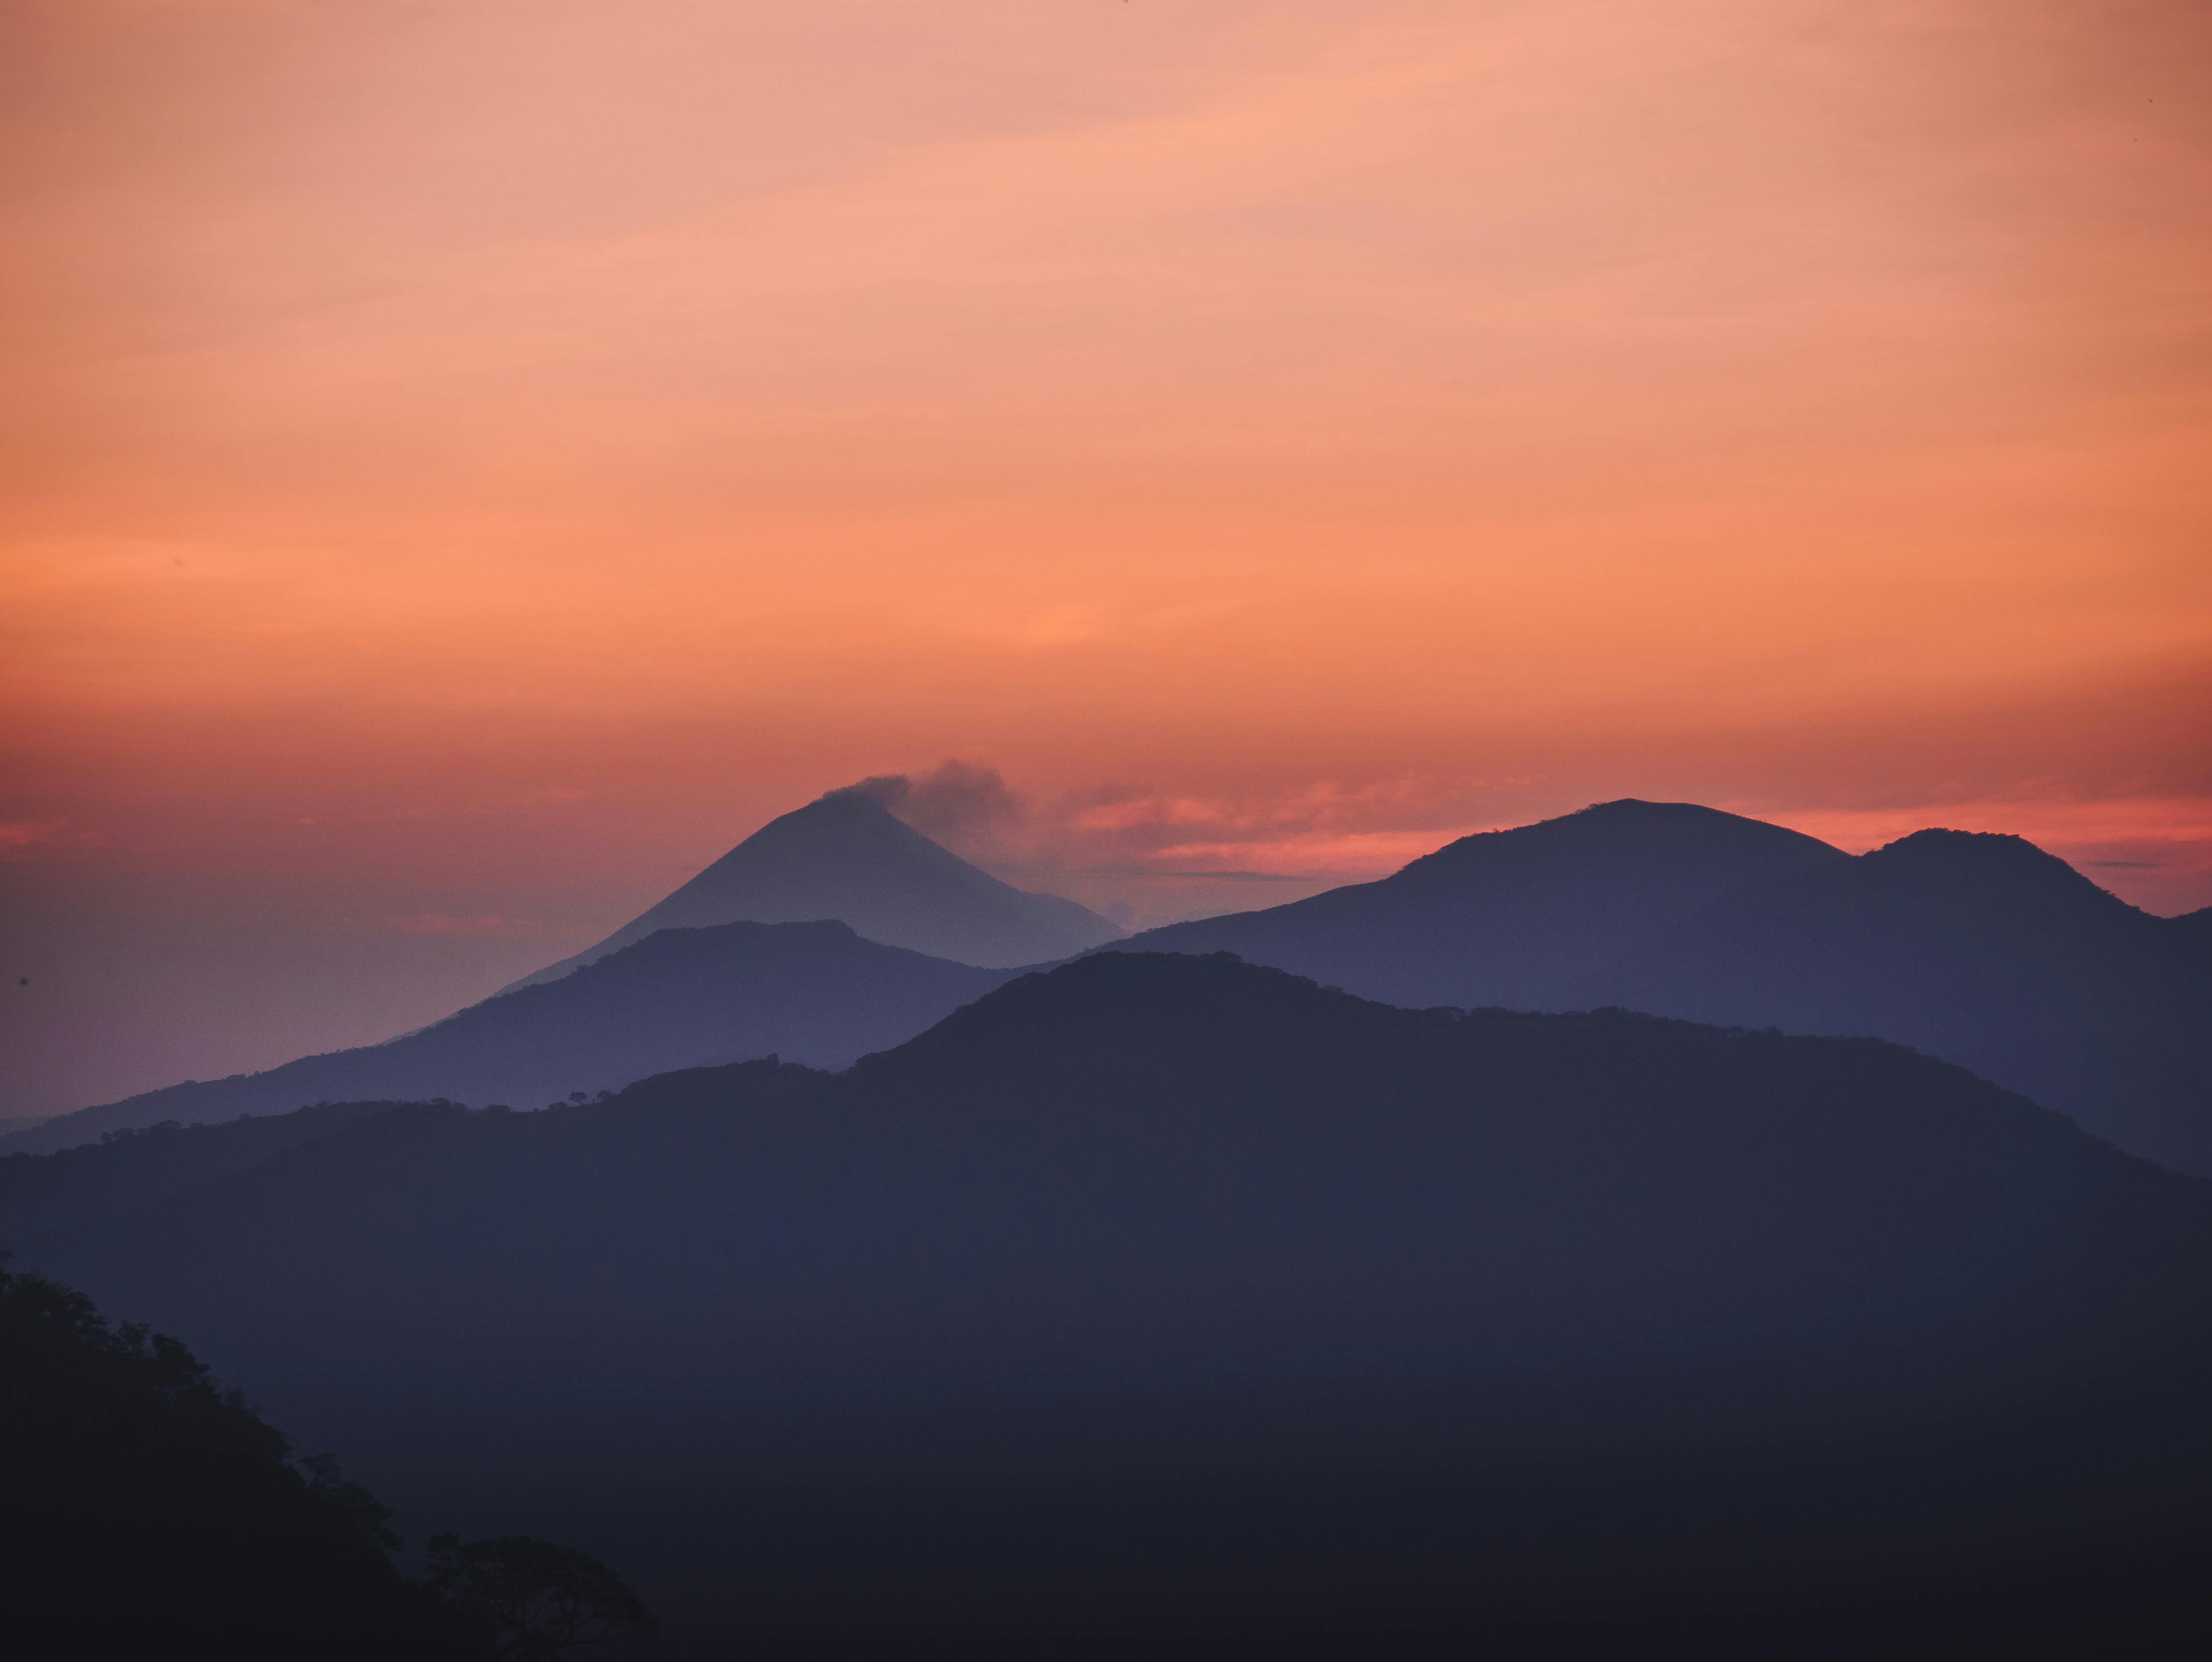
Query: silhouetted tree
150	1511
536	1601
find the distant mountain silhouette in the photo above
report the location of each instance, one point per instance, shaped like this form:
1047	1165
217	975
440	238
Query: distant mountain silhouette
814	992
1983	950
845	856
1173	1295
860	895
1979	948
1511	918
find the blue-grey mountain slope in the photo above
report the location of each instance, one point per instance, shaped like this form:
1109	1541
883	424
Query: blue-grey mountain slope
1982	950
813	993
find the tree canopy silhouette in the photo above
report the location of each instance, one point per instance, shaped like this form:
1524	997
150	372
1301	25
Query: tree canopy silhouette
536	1600
149	1505
150	1509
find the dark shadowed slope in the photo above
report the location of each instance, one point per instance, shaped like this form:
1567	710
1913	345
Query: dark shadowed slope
814	992
1979	948
846	857
132	1169
1510	918
1174	1295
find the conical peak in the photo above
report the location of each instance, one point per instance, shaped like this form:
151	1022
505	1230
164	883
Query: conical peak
845	856
849	805
848	817
848	801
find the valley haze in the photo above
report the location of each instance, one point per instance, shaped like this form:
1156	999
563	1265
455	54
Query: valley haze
1976	947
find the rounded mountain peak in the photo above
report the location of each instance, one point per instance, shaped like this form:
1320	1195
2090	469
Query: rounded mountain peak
1939	848
1632	830
1989	863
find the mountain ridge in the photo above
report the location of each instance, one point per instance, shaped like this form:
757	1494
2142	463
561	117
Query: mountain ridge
1531	897
1978	947
816	992
843	861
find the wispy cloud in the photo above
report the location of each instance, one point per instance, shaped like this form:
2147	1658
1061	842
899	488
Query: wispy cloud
1161	854
26	839
1155	854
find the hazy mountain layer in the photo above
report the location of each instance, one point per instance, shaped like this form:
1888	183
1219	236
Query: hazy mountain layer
1982	950
1171	1295
813	992
845	856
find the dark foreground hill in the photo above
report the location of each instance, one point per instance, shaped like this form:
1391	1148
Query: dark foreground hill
814	992
1165	1301
848	857
152	1511
1982	950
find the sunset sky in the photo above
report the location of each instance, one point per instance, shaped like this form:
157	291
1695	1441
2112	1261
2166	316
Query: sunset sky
468	462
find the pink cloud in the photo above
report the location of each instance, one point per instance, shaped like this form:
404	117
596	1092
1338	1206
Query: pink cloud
26	839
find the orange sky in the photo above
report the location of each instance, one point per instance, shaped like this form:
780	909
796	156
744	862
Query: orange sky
467	464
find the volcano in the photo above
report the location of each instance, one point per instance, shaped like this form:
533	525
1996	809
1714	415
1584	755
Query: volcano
846	857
